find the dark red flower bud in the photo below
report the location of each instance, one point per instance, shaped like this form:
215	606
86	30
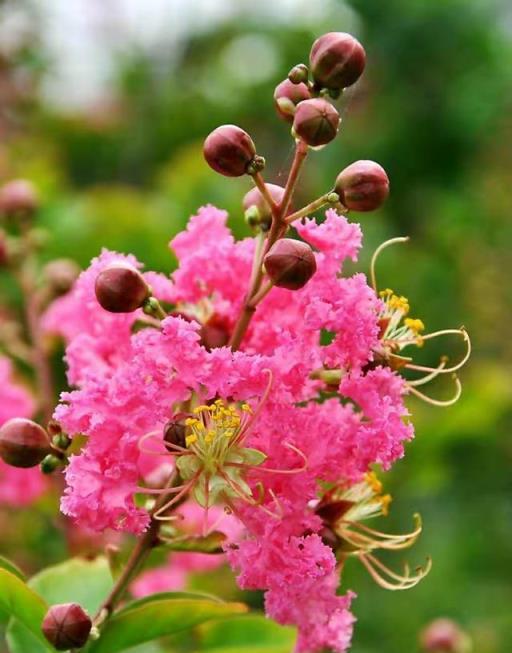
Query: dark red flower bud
362	186
121	288
229	150
286	97
290	263
18	197
61	274
66	626
444	636
215	333
337	60
257	211
316	122
23	443
175	430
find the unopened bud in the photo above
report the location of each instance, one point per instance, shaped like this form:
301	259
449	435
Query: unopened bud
229	150
120	288
256	165
61	441
175	430
298	74
50	463
444	636
337	60
362	186
286	97
257	210
61	274
23	443
290	263
215	333
316	122
66	626
18	197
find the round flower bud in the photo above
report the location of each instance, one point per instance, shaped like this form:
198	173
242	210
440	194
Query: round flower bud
18	197
286	97
316	122
175	430
337	60
229	150
257	211
23	443
121	288
50	463
298	74
66	626
444	636
215	333
290	263
362	186
61	274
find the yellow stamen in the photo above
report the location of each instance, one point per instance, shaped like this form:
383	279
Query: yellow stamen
385	500
414	324
190	439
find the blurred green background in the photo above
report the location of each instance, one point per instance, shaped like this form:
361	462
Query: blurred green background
105	106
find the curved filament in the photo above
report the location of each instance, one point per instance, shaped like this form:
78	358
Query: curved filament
439	402
445	370
376	254
388	579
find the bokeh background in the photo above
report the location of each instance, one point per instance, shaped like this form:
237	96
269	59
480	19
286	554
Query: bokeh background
104	106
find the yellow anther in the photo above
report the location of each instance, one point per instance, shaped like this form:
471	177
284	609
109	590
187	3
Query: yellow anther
386	293
246	408
191	421
385	500
414	325
209	437
373	482
190	439
200	409
399	303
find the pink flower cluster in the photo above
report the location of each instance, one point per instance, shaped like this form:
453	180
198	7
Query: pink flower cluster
18	487
130	383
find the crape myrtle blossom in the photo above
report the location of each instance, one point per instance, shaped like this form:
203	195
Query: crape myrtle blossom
18	487
136	381
236	410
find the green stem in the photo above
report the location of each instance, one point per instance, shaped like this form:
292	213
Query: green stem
309	208
27	280
277	230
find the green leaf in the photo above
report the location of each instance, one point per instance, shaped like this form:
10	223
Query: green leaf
157	616
78	580
22	603
252	633
11	567
86	582
211	543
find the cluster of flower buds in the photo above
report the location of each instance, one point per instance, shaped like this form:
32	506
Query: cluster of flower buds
24	444
66	626
304	99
